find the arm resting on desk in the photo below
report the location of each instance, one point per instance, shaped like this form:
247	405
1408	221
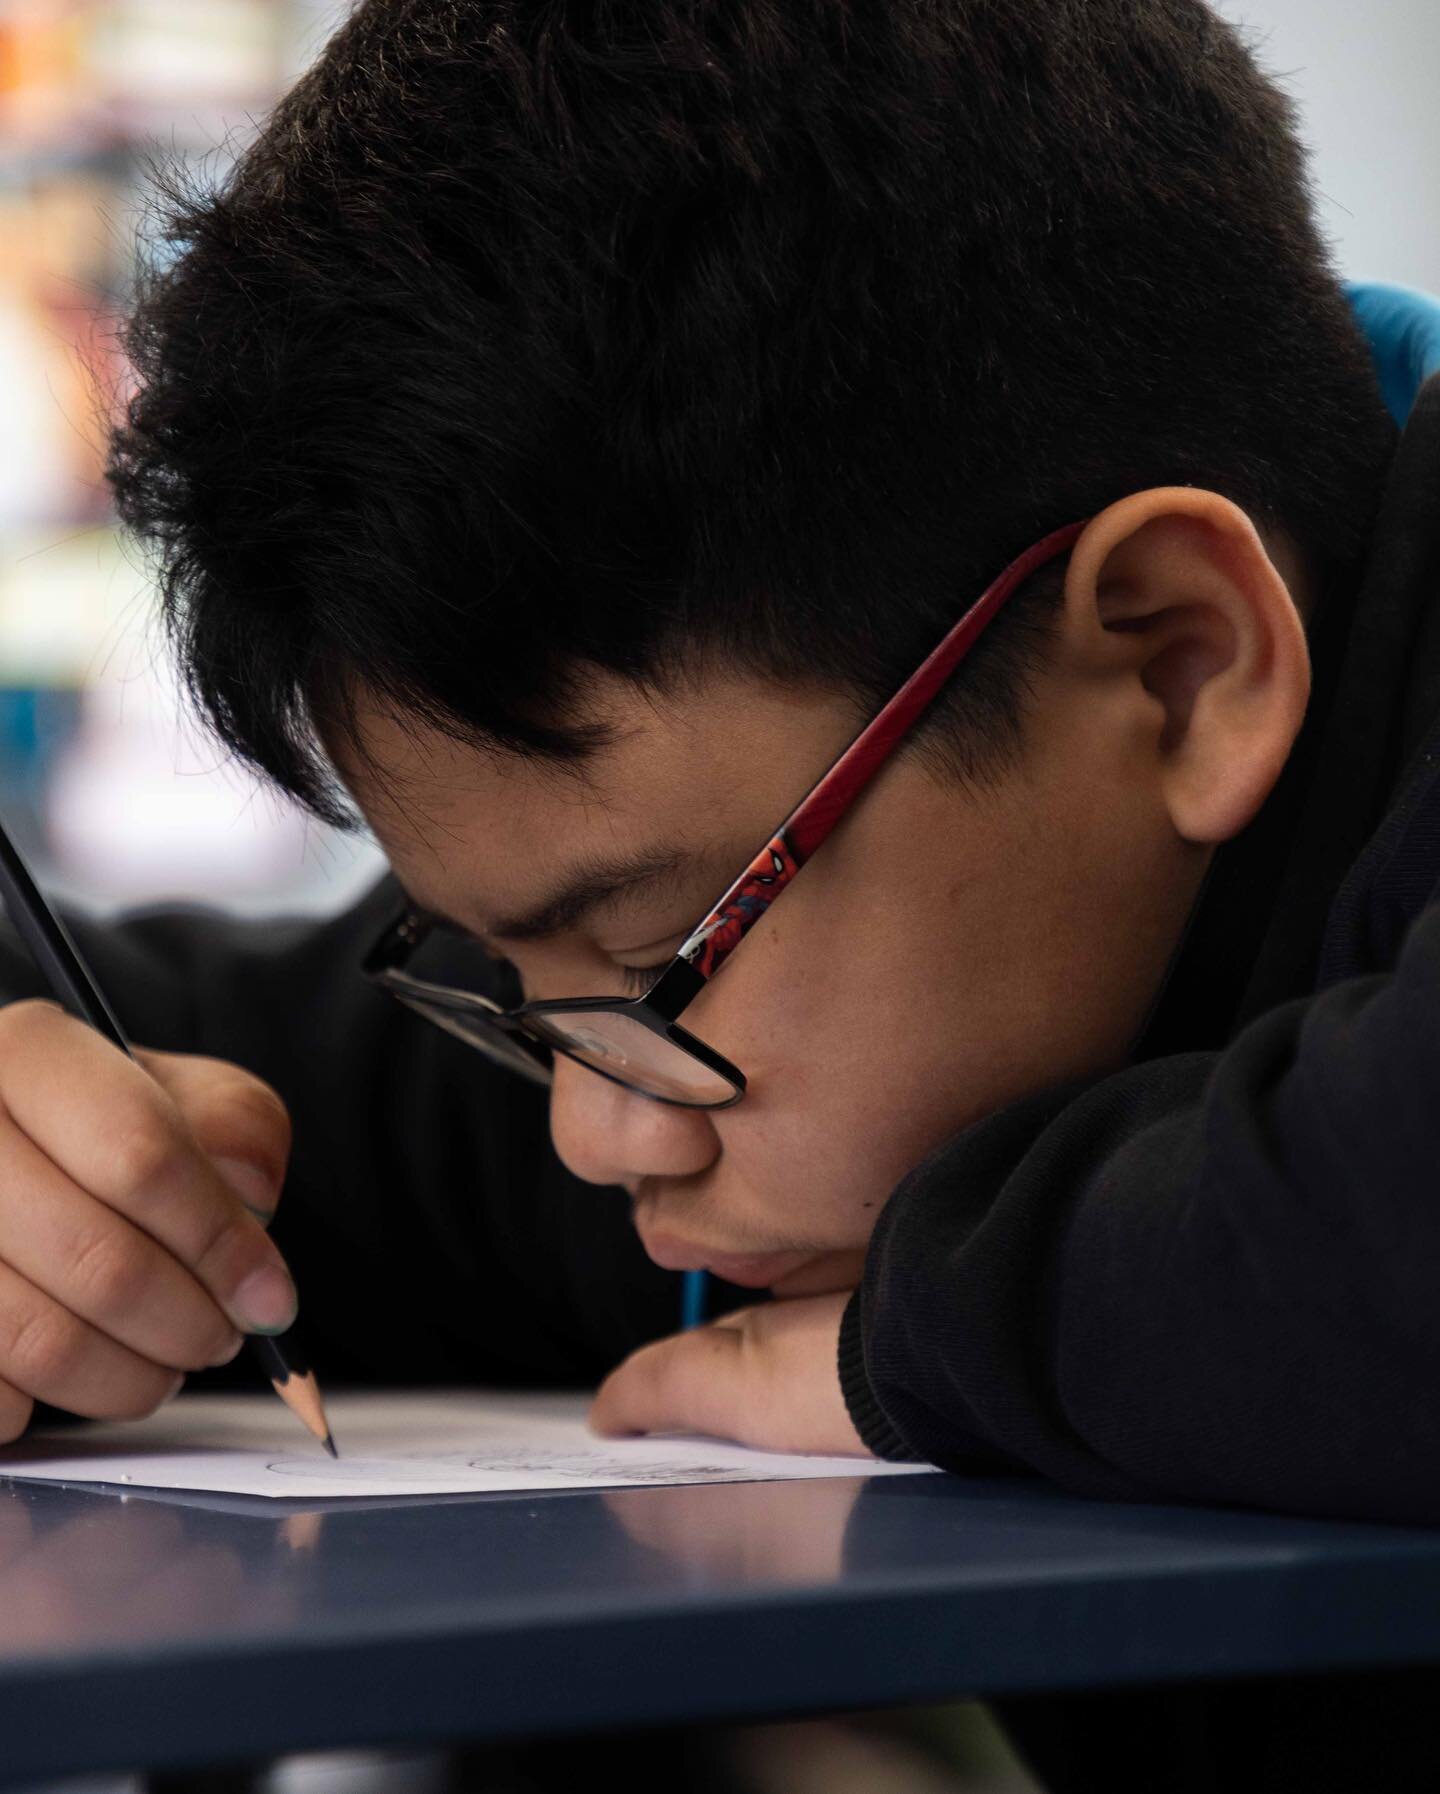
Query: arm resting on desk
1210	1277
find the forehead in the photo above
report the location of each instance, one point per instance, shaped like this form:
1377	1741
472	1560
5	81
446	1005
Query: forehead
721	760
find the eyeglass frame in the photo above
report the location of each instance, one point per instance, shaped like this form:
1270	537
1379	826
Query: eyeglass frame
804	831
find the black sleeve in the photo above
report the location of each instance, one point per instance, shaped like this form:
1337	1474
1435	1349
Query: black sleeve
1208	1277
433	1233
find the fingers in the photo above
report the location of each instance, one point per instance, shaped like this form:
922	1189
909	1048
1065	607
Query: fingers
234	1117
691	1383
118	1135
767	1377
126	1256
51	1355
102	1267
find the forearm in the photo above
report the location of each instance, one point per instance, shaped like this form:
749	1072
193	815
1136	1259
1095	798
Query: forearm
1209	1277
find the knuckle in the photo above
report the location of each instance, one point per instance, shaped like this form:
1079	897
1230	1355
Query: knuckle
263	1122
227	1248
265	1106
243	1118
19	1020
142	1150
109	1276
260	1112
44	1349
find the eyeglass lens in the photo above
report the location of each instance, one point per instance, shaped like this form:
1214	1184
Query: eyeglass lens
626	1049
616	1045
472	1027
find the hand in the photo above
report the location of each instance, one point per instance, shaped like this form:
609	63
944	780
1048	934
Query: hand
765	1376
130	1229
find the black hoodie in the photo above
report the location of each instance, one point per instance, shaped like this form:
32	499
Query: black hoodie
1213	1275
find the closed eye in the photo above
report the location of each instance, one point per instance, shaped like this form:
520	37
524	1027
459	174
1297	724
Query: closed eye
636	980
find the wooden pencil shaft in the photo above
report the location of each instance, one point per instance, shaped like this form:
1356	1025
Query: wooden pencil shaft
279	1365
49	945
301	1395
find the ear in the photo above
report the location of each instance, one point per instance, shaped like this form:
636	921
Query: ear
1191	643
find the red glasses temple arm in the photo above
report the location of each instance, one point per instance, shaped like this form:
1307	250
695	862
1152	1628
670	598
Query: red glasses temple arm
808	826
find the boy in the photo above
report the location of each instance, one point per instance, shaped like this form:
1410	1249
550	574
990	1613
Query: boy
567	431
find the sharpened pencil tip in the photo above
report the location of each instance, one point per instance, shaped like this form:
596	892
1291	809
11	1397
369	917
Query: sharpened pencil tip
330	1446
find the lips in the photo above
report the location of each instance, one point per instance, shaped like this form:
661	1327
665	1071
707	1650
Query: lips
749	1272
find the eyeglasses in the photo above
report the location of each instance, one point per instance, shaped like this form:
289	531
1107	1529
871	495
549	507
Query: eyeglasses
638	1041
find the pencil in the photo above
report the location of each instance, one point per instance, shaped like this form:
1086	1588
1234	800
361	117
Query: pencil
692	1299
58	961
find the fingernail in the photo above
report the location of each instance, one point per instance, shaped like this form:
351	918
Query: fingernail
265	1302
254	1188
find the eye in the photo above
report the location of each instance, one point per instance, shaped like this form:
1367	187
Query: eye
636	980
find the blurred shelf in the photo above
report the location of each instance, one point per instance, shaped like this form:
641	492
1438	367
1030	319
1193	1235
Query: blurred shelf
120	799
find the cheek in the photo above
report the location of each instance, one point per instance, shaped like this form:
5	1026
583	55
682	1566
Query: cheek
853	1079
870	1035
858	1071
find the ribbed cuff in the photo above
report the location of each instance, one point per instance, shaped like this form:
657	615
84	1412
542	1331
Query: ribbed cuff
876	1432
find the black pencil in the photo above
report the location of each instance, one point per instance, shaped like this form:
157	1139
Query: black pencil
58	960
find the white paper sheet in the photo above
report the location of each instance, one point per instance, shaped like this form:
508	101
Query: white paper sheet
396	1443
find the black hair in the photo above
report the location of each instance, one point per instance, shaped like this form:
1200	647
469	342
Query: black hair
532	337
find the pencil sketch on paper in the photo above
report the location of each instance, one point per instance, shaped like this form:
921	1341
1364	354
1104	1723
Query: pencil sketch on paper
588	1468
397	1443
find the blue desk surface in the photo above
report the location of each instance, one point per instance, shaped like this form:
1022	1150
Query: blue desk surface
139	1631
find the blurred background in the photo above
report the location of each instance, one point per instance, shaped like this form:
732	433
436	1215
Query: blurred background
119	800
117	797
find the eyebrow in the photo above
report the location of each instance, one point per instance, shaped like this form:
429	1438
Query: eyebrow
590	885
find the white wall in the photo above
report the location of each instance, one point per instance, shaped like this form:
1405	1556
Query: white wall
1367	77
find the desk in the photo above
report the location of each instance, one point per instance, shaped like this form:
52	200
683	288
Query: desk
139	1632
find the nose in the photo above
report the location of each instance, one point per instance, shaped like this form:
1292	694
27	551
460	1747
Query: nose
607	1134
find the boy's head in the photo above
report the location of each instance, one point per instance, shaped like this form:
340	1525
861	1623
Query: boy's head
572	422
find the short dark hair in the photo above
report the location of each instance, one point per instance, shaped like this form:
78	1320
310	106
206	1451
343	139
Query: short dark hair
533	337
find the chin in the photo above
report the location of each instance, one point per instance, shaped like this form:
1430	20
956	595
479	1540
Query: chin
750	1270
